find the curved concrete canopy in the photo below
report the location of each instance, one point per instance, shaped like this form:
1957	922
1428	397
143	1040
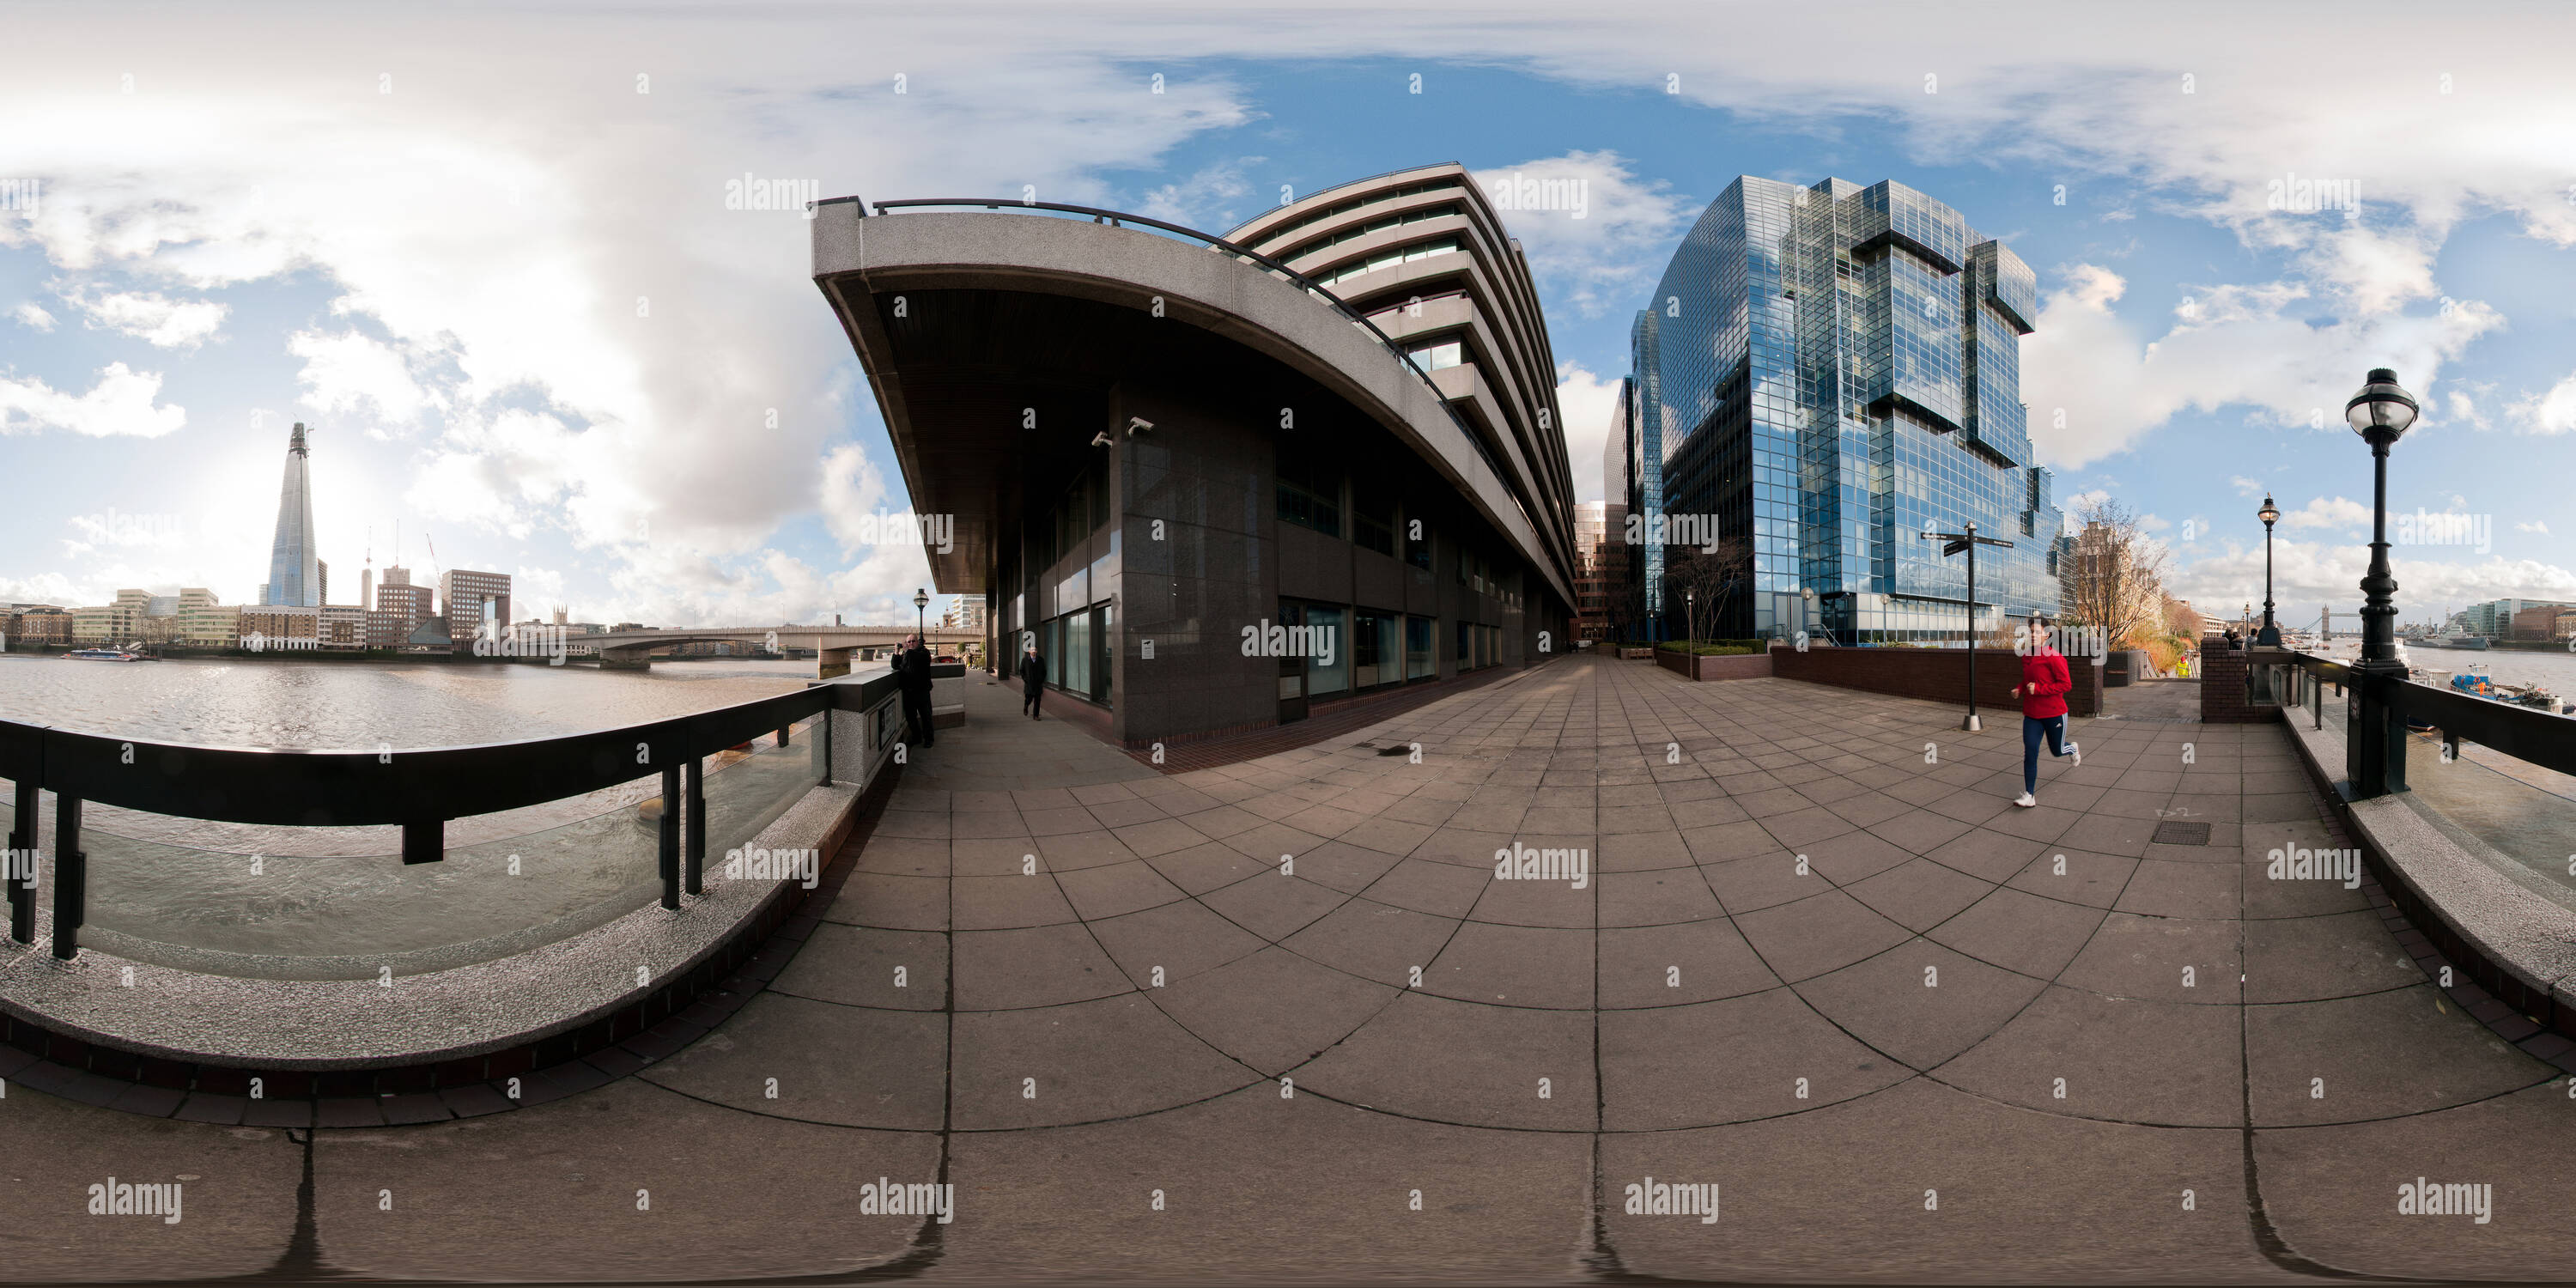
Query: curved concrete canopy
858	257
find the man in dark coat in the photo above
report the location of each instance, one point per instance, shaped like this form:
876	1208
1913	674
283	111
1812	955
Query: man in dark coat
913	672
1033	674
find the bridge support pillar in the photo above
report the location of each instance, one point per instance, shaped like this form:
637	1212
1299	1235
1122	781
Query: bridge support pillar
831	663
625	659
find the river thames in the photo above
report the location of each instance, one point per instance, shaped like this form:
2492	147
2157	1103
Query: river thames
308	705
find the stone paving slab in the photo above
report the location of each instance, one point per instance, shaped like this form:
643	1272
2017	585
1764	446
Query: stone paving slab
2048	1018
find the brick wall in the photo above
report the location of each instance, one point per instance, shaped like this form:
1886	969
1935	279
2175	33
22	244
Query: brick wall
1750	666
1936	674
2222	687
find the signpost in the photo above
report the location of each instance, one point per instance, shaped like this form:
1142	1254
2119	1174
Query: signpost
1968	541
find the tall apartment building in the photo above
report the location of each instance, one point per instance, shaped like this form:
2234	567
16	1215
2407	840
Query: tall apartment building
1829	372
207	622
474	602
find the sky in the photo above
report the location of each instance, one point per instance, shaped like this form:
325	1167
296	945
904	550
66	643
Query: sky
485	252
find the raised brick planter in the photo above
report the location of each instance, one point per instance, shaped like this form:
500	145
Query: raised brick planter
2222	687
1750	666
1935	674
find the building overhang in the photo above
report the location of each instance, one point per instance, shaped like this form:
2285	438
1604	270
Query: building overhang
951	438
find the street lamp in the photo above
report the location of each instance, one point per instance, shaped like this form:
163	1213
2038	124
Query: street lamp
2381	413
1690	605
920	615
2269	514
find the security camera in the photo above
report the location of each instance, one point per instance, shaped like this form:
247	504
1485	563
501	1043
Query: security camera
1100	439
1139	425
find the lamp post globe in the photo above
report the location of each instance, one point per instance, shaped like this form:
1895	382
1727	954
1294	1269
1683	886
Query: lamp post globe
921	615
2381	413
2269	514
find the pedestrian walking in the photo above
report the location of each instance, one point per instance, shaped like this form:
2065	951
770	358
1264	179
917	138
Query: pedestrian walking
1033	672
912	672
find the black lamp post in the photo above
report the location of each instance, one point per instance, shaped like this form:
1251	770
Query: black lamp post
2376	749
2269	514
921	615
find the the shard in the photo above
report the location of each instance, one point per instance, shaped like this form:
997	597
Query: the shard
294	575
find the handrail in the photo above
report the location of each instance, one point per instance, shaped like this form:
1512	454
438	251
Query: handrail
1302	281
418	789
2529	735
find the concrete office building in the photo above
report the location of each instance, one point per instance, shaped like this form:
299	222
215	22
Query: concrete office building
1213	497
1824	374
474	602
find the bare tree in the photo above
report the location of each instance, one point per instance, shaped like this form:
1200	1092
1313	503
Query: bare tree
2113	578
1711	578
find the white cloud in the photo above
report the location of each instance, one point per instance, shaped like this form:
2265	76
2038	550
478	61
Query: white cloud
1596	237
2551	413
32	316
1211	200
121	403
2540	526
155	318
1589	404
2306	575
352	372
2328	512
2228	346
2247	487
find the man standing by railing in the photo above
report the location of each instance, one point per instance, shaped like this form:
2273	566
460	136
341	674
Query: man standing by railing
912	671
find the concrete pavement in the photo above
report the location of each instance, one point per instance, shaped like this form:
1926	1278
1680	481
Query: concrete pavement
1281	1019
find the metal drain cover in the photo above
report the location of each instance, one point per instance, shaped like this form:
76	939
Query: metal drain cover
2176	832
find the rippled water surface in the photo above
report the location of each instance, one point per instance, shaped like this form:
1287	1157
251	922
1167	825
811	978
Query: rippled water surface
258	702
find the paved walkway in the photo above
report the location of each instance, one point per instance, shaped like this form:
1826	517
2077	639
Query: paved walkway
1816	960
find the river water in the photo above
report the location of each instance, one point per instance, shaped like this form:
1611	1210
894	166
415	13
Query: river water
325	706
335	902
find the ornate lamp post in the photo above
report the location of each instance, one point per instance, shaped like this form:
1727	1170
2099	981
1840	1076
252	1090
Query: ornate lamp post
921	615
2376	757
2269	514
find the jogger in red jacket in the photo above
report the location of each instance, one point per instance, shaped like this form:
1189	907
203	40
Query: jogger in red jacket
2043	688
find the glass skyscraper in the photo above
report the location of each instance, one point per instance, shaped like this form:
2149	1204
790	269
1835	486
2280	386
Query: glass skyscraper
1827	373
294	574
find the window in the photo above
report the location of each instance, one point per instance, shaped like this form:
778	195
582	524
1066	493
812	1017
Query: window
1373	517
1417	648
1465	657
1328	663
1432	357
1310	490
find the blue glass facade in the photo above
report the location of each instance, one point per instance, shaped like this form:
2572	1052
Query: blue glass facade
1830	372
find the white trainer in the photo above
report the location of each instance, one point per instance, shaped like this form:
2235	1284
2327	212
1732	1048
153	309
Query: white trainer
2077	753
2025	802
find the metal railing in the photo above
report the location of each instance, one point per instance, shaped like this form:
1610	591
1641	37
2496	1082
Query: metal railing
2524	733
418	790
1115	218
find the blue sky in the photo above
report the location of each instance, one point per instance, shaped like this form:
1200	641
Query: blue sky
503	285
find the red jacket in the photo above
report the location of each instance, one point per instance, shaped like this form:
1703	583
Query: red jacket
2044	684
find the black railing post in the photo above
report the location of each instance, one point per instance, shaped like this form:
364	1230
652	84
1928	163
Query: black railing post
671	838
71	877
693	774
22	861
424	841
